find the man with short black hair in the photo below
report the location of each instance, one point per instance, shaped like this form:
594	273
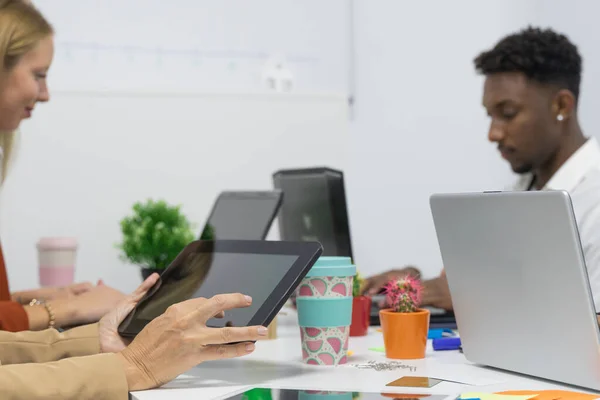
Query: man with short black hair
531	93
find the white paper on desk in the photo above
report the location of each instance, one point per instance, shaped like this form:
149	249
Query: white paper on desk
467	374
170	392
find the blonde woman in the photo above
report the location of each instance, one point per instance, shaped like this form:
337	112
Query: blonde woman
26	50
169	345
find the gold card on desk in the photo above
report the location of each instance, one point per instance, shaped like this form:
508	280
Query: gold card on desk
415	382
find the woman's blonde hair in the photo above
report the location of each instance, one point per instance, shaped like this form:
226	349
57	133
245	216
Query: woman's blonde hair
22	27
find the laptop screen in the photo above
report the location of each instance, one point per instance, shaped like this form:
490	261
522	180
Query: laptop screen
241	216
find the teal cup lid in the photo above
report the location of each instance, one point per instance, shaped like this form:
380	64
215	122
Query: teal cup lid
332	266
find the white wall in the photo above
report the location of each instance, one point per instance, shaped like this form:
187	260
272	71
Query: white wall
580	23
420	127
196	45
86	158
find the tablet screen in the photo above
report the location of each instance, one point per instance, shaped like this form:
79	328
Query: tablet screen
205	274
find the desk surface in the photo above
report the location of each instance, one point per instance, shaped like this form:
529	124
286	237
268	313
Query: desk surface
278	364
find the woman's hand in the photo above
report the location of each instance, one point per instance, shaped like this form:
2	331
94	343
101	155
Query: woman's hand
75	289
110	340
92	305
179	340
52	293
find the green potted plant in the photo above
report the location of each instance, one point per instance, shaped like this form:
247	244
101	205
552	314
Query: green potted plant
361	308
154	235
404	324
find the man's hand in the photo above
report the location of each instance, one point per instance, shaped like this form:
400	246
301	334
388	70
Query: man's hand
375	284
110	340
436	293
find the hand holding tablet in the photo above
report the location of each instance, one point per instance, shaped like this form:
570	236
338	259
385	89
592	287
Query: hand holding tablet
179	340
268	271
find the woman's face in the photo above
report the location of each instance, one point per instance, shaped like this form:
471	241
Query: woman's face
25	84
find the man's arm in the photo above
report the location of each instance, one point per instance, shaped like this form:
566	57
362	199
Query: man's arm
48	345
436	293
375	284
98	377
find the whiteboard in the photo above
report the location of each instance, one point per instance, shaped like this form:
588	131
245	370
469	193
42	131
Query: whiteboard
85	158
198	44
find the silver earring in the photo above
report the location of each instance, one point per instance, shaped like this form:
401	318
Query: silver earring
560	117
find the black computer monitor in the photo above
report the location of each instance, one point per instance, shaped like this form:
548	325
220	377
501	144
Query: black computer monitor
246	215
314	208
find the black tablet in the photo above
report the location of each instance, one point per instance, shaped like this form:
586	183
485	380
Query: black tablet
268	271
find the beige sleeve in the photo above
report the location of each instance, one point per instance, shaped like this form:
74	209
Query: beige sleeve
48	345
98	377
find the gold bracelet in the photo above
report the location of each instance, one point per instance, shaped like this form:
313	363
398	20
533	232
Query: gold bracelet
51	317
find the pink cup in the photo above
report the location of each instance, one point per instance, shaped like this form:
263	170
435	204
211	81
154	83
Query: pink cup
56	258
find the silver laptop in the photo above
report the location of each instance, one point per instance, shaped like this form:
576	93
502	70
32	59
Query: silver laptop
519	284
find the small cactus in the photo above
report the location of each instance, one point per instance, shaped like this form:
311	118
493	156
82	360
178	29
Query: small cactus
404	294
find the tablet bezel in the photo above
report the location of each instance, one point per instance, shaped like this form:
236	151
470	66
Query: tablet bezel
307	253
275	194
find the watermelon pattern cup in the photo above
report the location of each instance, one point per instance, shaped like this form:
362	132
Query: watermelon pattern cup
324	302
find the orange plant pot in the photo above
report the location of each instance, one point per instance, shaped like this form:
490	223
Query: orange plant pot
405	334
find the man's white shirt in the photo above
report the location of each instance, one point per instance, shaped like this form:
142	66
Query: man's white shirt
580	177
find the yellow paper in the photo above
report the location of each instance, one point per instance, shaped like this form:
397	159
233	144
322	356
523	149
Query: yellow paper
552	394
494	396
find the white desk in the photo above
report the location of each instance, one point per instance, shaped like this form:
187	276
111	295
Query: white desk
278	364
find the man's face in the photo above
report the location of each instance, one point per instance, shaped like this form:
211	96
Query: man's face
522	123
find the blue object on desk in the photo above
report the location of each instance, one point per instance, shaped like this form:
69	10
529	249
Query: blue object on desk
439	333
447	343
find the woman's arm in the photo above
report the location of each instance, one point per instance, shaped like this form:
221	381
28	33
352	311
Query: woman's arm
15	317
48	345
83	309
63	313
168	346
25	296
99	376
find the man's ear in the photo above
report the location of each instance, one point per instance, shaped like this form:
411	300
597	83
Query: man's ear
563	105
